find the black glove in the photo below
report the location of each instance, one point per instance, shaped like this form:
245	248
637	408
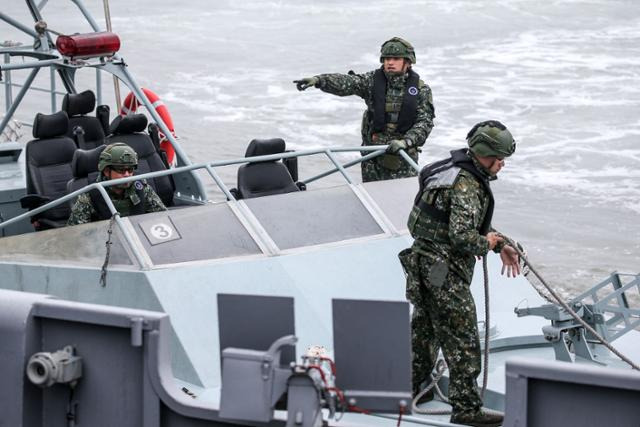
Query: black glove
306	82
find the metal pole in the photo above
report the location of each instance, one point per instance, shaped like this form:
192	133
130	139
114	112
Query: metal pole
219	182
31	64
19	25
52	76
87	15
116	83
346	165
143	98
18	99
8	93
45	39
98	87
338	165
409	160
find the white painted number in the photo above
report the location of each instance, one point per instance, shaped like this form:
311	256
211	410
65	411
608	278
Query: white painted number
161	231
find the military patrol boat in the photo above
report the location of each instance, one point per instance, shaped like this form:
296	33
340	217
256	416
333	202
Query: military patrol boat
282	305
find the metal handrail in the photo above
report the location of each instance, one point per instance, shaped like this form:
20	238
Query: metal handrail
209	166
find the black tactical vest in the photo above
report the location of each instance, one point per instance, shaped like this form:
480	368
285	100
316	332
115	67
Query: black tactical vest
409	108
459	159
103	210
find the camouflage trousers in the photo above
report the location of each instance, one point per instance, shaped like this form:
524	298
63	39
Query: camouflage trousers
444	316
387	166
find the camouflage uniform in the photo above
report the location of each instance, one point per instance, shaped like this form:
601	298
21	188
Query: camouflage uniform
440	267
387	166
83	210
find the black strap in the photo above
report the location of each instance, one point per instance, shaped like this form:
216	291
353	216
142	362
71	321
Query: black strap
78	135
461	159
408	109
433	212
379	100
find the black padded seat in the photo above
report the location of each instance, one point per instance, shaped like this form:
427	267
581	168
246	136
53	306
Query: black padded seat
77	106
130	130
84	167
48	167
264	178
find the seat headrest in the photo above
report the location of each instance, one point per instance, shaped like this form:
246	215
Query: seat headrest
264	147
124	125
86	161
79	103
50	125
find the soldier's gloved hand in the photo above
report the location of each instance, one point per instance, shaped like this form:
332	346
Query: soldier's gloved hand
306	83
396	145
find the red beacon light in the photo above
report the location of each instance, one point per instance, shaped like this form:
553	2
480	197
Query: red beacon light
88	45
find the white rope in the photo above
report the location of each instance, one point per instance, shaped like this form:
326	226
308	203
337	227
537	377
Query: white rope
569	310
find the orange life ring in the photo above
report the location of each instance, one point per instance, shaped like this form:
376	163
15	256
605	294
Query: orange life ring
130	105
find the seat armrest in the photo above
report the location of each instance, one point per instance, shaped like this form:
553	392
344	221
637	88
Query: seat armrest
33	201
236	193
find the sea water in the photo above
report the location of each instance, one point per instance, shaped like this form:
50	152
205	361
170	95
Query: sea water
564	76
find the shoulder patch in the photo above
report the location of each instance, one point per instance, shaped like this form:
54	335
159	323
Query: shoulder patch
139	185
466	179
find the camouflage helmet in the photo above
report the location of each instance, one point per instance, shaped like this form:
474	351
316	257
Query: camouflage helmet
117	154
491	139
397	48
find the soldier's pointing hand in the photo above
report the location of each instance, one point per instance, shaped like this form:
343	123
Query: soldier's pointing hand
306	83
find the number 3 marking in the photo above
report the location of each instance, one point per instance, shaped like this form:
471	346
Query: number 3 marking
161	231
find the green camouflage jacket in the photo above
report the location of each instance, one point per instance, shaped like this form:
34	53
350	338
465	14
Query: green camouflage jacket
83	209
457	243
362	86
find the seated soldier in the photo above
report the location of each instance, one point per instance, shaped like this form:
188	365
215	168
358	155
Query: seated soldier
116	161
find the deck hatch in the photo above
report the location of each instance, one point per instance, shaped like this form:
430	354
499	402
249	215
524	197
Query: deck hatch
207	232
313	217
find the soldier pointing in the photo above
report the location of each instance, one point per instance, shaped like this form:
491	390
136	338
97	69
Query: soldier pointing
399	108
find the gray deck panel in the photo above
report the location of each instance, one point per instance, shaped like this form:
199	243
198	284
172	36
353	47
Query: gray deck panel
313	217
395	198
205	232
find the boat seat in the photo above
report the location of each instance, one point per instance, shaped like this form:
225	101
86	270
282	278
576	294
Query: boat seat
130	130
48	168
87	131
264	178
84	167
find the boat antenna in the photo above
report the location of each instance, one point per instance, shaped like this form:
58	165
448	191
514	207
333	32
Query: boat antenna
116	82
